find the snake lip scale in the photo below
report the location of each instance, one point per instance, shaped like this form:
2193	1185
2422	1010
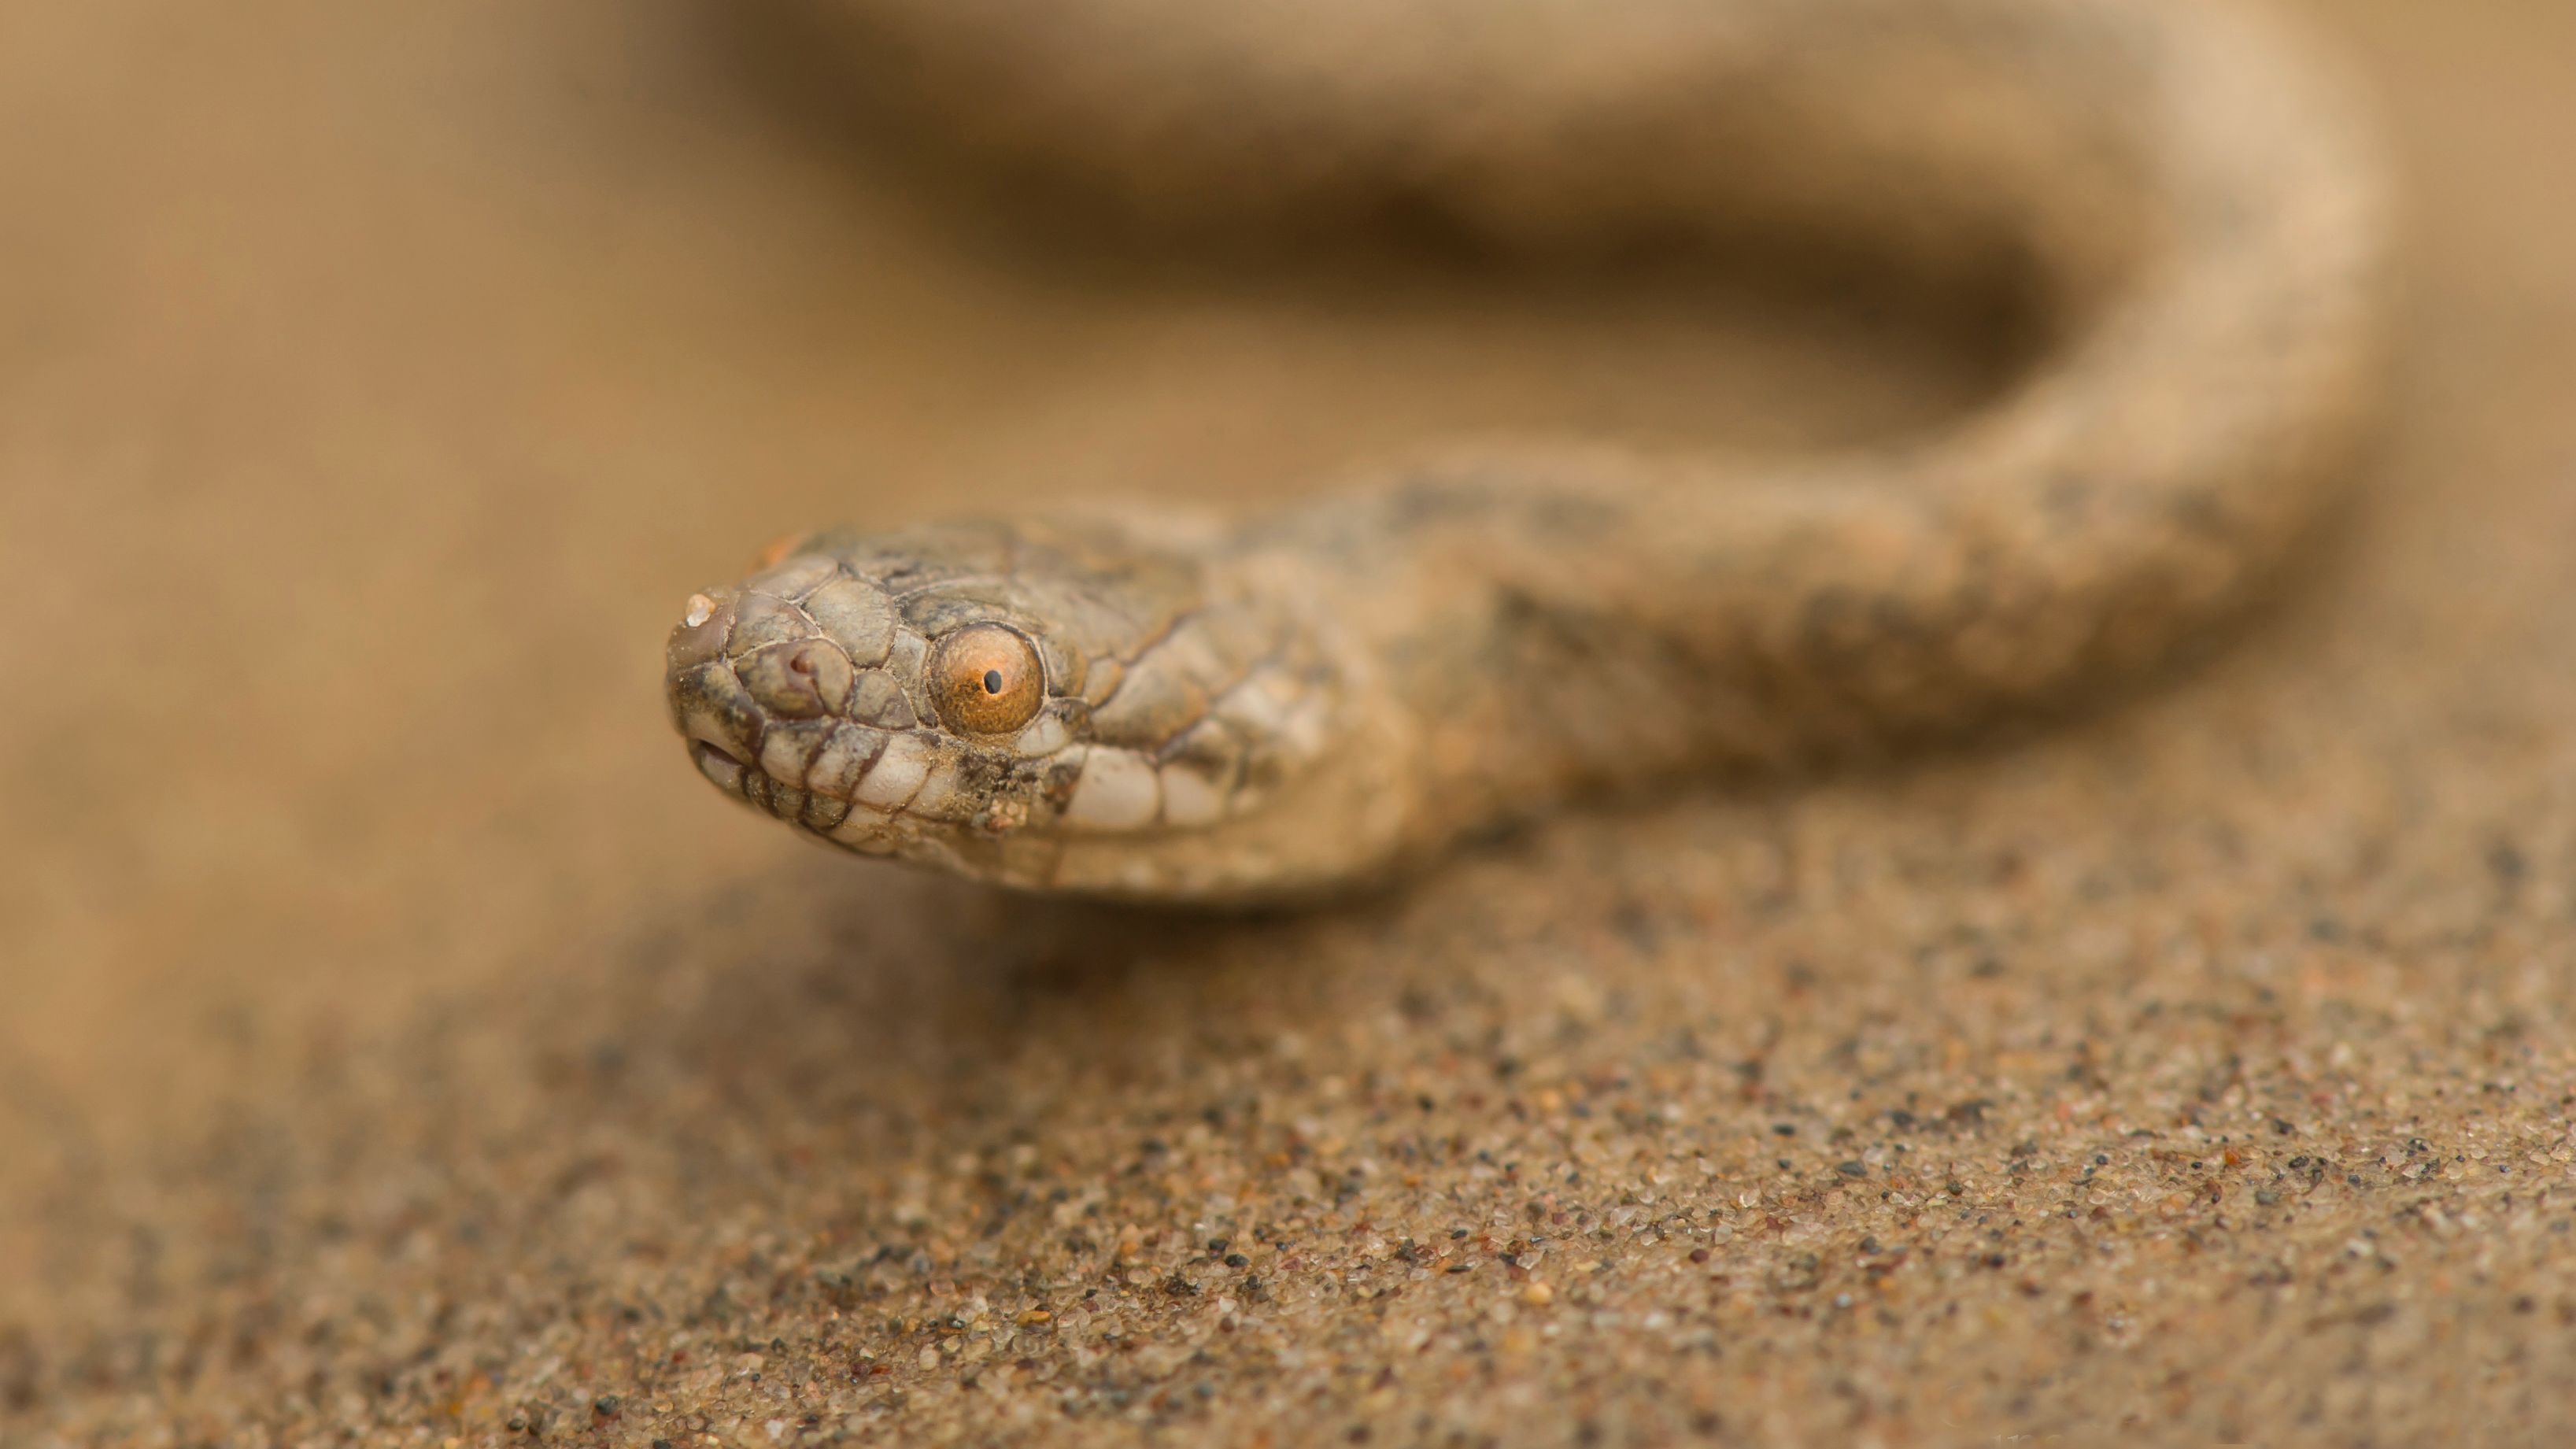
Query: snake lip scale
1169	707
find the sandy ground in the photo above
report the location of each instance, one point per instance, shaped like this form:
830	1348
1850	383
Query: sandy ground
404	1045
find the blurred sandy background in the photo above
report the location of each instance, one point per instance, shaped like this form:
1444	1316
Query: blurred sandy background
401	1039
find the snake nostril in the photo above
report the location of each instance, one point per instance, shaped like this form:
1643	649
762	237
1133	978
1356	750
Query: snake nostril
798	680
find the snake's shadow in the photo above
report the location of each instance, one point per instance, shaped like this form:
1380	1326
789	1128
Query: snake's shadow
874	1006
851	993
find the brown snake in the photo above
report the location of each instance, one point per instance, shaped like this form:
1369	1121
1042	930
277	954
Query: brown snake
1220	709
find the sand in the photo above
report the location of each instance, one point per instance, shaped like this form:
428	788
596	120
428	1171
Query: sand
405	1046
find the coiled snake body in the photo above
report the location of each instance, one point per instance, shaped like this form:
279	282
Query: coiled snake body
1219	709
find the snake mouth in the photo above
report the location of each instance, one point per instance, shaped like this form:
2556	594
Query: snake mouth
743	780
719	765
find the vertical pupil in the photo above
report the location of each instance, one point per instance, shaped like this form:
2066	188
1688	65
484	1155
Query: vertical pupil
992	681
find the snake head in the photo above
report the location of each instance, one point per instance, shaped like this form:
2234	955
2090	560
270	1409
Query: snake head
989	698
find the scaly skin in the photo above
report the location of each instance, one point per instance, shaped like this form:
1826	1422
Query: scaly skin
1290	704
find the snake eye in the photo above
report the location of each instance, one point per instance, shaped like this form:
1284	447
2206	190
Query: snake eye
987	679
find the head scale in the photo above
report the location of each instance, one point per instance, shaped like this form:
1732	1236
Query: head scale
986	698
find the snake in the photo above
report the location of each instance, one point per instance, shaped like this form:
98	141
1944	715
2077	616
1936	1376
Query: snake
1169	706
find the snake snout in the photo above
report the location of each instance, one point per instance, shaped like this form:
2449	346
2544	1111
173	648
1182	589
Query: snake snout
757	690
710	701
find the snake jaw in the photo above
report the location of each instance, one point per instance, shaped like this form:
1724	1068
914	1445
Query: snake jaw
721	769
